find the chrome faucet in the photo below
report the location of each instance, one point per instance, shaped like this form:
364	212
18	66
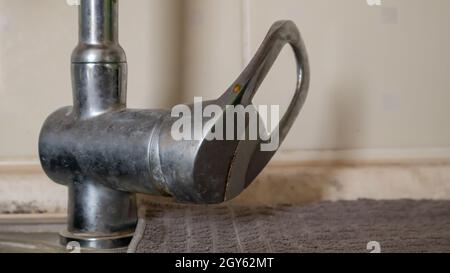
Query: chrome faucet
106	153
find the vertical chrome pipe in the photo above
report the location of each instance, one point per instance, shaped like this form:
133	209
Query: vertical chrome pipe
98	216
98	20
99	68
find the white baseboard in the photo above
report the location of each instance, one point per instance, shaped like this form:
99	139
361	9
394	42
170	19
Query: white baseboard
25	189
363	156
292	177
304	157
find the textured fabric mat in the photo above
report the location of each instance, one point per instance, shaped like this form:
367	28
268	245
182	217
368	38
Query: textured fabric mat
345	226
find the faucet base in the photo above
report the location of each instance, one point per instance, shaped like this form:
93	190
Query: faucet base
99	217
106	242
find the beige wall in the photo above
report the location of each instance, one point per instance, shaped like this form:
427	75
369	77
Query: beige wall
379	74
36	40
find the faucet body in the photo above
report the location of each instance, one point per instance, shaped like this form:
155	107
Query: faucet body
106	153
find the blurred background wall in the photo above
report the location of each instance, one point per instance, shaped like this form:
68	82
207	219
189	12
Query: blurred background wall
37	38
379	87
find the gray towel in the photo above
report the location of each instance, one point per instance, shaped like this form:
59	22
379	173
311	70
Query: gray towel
345	226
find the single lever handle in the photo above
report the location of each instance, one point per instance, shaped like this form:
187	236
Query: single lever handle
213	171
249	158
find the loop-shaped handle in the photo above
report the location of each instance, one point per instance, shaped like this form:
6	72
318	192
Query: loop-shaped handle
245	87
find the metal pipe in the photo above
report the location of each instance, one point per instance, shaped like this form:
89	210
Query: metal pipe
98	20
99	66
88	202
